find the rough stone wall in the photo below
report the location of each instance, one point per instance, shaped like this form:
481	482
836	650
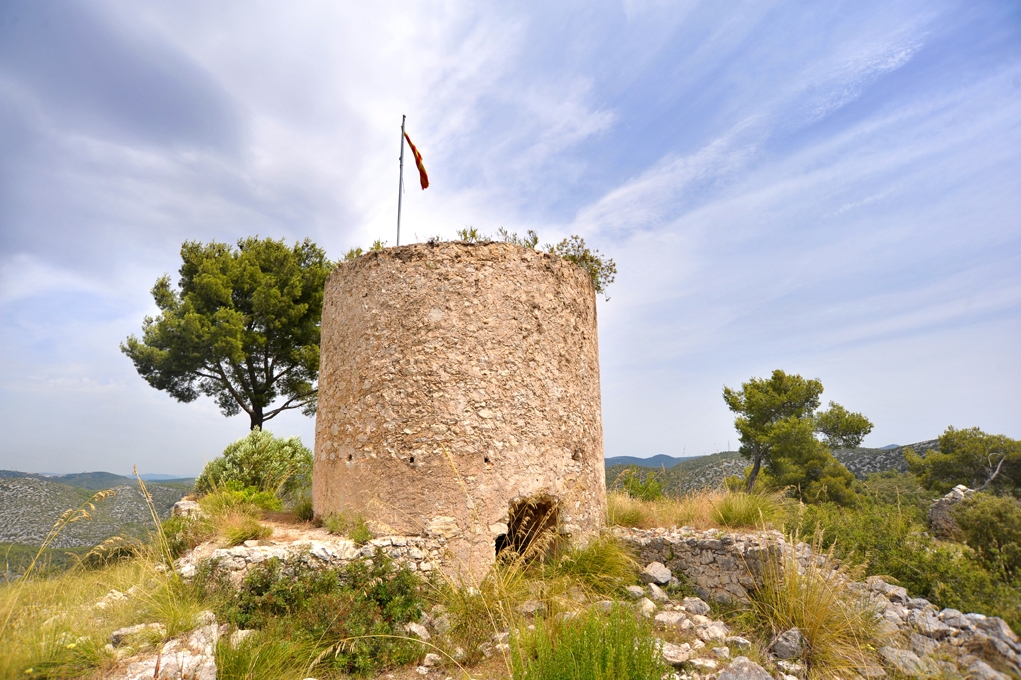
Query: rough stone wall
722	567
455	379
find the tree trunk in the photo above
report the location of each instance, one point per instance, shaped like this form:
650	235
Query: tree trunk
256	416
756	464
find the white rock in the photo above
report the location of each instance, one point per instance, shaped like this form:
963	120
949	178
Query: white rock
670	618
673	654
646	607
656	572
418	630
656	593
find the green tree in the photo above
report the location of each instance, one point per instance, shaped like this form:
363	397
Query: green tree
777	425
841	428
991	526
241	327
971	457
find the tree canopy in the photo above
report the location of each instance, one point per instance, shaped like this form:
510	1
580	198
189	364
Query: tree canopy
778	427
970	457
242	326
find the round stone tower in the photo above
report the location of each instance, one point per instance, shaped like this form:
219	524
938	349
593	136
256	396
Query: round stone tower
459	397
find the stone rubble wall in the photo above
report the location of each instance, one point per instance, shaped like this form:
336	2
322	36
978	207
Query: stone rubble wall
413	552
722	567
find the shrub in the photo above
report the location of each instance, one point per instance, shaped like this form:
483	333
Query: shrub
736	510
351	525
887	541
991	526
280	466
234	496
351	618
644	487
615	645
839	626
601	270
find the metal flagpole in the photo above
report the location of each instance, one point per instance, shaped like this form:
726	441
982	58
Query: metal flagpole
400	189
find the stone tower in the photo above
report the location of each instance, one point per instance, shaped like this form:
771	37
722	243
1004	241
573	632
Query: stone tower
459	393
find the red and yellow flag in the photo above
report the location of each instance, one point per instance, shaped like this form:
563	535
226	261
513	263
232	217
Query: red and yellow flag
422	174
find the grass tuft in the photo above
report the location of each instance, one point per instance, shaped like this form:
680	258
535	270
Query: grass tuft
838	624
238	528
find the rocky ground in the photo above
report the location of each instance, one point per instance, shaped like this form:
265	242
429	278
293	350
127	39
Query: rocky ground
921	641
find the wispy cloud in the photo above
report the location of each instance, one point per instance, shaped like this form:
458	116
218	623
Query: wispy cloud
778	186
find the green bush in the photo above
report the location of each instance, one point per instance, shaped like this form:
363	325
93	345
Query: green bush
351	525
614	645
888	541
233	496
991	526
600	269
279	466
644	487
352	618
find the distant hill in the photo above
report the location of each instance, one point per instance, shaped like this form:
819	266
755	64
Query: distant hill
694	473
708	472
98	481
30	504
865	461
655	462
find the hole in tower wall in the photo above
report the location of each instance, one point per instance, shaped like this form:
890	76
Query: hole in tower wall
411	459
532	527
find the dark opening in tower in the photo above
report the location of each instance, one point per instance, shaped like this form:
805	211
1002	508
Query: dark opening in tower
532	526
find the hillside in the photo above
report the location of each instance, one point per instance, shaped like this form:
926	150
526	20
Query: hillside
708	472
29	506
657	462
97	481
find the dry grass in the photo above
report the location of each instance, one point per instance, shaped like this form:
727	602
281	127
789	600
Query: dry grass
57	630
720	509
838	624
566	580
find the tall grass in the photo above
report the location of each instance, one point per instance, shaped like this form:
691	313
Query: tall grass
562	582
57	627
720	509
838	624
614	645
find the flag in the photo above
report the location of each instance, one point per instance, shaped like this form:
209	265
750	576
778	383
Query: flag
422	174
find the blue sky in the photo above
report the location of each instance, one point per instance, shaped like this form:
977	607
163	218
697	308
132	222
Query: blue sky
829	188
